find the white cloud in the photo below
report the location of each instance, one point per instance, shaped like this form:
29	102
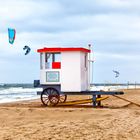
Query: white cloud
112	26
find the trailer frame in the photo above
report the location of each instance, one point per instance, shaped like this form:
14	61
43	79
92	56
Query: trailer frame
54	94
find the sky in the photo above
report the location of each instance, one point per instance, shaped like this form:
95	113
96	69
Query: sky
111	26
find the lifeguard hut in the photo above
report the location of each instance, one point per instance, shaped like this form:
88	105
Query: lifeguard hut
66	71
64	67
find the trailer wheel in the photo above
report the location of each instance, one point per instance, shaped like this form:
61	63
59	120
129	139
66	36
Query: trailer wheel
63	98
50	97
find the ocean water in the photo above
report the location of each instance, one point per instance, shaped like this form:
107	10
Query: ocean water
21	92
17	92
112	87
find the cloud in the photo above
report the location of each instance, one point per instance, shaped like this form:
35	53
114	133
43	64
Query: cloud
111	26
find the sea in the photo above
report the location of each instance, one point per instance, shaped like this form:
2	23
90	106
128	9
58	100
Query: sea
21	92
17	92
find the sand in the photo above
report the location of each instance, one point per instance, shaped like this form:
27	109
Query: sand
29	120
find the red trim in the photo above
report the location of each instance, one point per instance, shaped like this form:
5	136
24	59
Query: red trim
62	50
56	65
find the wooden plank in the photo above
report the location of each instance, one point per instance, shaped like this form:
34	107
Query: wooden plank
85	101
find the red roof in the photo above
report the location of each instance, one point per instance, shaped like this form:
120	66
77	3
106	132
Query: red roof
62	50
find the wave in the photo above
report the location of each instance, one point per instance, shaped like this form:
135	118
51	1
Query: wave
18	90
117	87
12	93
16	85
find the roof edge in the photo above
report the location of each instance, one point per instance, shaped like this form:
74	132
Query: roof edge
63	49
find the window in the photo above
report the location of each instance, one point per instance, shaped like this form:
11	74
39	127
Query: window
57	57
41	61
52	60
48	60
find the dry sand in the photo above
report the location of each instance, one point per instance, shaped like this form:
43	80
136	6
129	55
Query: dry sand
29	120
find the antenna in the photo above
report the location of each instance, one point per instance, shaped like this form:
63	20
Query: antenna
90	60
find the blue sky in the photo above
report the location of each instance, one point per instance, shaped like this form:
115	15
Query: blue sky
111	26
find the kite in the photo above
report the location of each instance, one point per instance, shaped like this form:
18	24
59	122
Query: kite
11	34
28	49
117	73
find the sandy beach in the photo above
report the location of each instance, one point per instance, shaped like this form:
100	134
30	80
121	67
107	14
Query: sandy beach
29	120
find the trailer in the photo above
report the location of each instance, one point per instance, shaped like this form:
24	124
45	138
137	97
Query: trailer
67	71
